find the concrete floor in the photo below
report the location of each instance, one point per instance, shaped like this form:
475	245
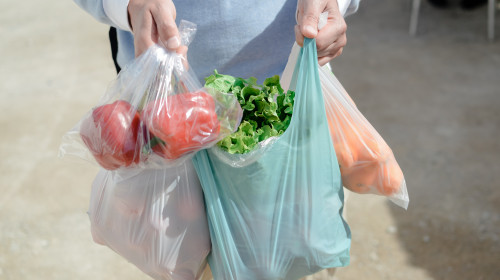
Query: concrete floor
434	98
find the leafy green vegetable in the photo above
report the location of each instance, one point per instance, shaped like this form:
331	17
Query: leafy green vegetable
267	110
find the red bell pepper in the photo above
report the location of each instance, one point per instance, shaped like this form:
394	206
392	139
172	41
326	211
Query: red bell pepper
181	123
111	132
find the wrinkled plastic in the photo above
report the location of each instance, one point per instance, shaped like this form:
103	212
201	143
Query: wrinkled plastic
154	218
367	163
279	217
155	114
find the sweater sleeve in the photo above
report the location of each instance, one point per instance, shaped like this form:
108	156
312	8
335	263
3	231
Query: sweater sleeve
117	11
348	7
110	12
351	8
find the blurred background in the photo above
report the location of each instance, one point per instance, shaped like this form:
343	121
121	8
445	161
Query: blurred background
434	97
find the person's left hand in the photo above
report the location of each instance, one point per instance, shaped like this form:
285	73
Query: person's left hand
331	39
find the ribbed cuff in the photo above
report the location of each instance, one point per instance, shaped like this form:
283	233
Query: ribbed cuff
117	12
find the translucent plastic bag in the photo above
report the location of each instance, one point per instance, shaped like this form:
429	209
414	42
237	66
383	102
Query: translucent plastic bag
367	163
154	218
279	216
155	113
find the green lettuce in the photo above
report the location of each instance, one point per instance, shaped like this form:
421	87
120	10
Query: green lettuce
267	110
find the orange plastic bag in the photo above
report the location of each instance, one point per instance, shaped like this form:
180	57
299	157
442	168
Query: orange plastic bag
367	163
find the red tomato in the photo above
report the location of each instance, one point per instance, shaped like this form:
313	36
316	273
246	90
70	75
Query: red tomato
111	132
184	122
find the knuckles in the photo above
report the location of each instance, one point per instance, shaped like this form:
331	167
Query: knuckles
342	26
312	18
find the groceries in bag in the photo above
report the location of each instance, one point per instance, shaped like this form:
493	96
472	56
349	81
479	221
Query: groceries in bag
275	212
154	218
155	114
367	163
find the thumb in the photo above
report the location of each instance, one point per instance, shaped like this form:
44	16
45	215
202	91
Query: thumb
309	18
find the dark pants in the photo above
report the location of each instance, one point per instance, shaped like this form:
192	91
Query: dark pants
113	40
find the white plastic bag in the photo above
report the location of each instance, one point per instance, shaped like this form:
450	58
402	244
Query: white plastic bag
154	218
367	163
155	113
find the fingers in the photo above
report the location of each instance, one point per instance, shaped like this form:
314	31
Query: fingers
325	59
334	31
299	38
308	17
327	50
332	38
153	21
141	22
164	15
182	50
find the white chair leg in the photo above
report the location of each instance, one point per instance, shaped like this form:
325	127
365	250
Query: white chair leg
491	20
415	11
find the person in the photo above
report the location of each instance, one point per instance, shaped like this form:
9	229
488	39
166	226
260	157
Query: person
239	38
243	38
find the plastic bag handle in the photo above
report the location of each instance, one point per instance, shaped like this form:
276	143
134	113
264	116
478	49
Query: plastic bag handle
187	30
309	95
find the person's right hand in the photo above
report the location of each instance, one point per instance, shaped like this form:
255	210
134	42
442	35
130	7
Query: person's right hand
332	38
153	21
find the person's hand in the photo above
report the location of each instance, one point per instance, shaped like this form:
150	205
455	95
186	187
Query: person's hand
331	39
153	21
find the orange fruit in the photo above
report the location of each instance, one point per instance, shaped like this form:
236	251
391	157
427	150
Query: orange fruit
344	154
392	178
360	178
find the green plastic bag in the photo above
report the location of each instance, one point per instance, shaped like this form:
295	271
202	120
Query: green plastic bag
278	213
